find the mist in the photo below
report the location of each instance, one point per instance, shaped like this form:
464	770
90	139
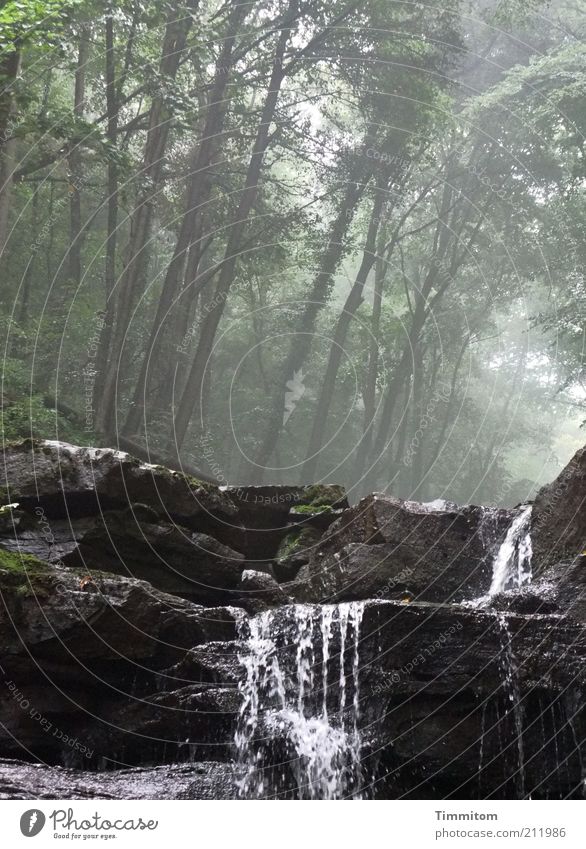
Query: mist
291	243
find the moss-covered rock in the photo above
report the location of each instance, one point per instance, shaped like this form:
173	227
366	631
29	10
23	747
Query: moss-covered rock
72	481
320	496
295	551
21	566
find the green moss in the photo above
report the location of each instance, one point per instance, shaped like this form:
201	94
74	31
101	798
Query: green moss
296	540
21	563
313	508
20	573
319	495
288	545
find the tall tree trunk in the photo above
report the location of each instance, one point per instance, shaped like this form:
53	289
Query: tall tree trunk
75	169
369	395
450	401
9	71
420	314
353	302
29	272
301	342
191	394
198	193
132	282
112	98
416	482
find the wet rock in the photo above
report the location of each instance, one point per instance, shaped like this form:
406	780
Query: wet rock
133	542
50	541
296	549
65	481
173	559
443	691
564	585
259	585
384	546
100	669
558	526
193	722
208	780
267	511
78	651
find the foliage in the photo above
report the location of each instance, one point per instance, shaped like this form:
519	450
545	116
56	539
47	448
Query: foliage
470	116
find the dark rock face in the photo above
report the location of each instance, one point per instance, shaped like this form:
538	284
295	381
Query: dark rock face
173	559
439	552
65	481
261	587
128	592
82	664
558	527
270	512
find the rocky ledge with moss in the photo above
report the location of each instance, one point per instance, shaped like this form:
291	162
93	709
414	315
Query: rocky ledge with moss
126	589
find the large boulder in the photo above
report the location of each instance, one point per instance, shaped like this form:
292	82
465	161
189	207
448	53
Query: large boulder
558	526
268	514
171	558
384	546
67	481
134	543
83	658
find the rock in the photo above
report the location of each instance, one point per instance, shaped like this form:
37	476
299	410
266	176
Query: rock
49	541
100	670
258	585
564	585
442	688
194	722
65	481
319	505
558	524
384	545
173	559
267	511
206	780
78	656
295	551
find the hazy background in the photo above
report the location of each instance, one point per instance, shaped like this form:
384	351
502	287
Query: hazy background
296	241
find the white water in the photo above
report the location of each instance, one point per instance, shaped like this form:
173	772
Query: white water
510	677
296	733
511	565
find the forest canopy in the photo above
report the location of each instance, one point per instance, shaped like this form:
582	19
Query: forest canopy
289	241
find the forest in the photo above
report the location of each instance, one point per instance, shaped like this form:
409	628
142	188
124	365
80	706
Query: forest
285	241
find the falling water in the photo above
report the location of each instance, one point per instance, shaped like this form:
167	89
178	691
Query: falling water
297	734
510	676
512	564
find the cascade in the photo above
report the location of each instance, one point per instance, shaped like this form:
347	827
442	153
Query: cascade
510	676
298	726
512	564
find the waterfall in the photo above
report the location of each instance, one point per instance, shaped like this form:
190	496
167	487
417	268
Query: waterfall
297	732
512	564
510	676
